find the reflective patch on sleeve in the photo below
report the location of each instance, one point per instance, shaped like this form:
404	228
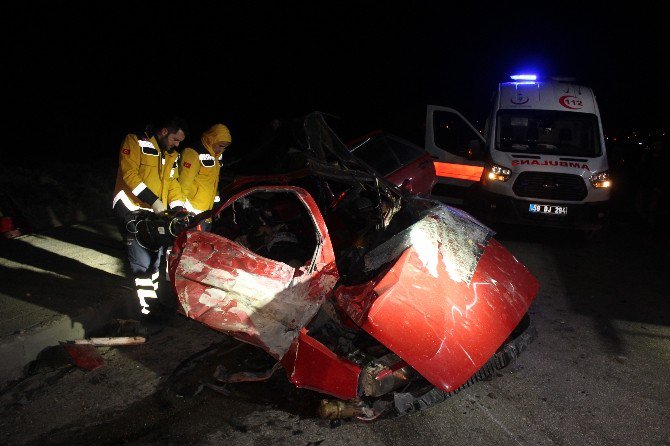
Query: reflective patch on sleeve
189	207
139	188
148	148
206	159
145	194
125	200
149	151
144	143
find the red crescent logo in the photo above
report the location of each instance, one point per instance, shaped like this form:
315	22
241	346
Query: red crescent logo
571	102
126	151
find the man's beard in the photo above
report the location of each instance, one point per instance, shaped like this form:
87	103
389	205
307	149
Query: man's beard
162	143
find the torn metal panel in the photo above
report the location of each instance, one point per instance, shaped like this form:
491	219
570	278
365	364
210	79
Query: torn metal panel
230	289
444	327
310	365
255	299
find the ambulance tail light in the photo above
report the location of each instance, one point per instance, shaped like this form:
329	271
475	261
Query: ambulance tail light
498	173
601	180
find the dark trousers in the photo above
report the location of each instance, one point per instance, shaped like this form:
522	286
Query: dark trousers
144	263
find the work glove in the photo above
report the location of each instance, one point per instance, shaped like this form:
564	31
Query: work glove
158	207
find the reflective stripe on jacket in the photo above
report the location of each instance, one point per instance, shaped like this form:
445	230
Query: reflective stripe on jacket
199	178
145	174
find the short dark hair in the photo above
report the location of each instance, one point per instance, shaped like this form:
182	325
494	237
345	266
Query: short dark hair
173	124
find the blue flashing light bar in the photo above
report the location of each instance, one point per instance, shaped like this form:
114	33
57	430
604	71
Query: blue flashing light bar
524	77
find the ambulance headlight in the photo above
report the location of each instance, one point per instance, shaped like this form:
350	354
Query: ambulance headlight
601	179
498	173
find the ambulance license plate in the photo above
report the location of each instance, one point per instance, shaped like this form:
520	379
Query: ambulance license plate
547	209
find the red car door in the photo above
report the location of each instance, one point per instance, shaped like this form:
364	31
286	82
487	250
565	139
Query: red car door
263	301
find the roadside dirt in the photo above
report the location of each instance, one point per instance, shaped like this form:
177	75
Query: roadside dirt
596	375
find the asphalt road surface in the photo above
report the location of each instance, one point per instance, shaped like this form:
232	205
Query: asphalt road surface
597	374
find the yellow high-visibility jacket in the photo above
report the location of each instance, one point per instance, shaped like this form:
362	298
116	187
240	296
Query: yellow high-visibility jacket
146	173
199	170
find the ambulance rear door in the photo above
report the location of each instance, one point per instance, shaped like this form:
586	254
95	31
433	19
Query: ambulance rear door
459	152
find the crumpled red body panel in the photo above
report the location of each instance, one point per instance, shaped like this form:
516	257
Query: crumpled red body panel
310	365
444	329
445	296
255	299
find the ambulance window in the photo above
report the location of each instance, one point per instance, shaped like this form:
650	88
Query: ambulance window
548	132
453	134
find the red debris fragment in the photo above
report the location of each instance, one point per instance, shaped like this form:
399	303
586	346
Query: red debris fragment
84	356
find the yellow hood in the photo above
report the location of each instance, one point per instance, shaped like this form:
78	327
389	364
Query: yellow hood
216	133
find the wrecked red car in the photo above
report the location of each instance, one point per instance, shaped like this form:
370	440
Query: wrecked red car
357	289
402	163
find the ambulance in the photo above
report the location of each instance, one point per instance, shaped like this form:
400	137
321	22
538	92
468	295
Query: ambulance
541	159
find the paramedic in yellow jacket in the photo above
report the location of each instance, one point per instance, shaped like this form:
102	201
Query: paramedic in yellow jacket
147	180
199	169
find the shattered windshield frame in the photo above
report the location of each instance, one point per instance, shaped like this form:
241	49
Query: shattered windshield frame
548	132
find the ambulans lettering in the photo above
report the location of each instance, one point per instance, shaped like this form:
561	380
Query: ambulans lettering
571	102
550	163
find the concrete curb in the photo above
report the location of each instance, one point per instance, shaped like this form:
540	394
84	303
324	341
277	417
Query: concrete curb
18	349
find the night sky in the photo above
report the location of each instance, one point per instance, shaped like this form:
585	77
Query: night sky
79	77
